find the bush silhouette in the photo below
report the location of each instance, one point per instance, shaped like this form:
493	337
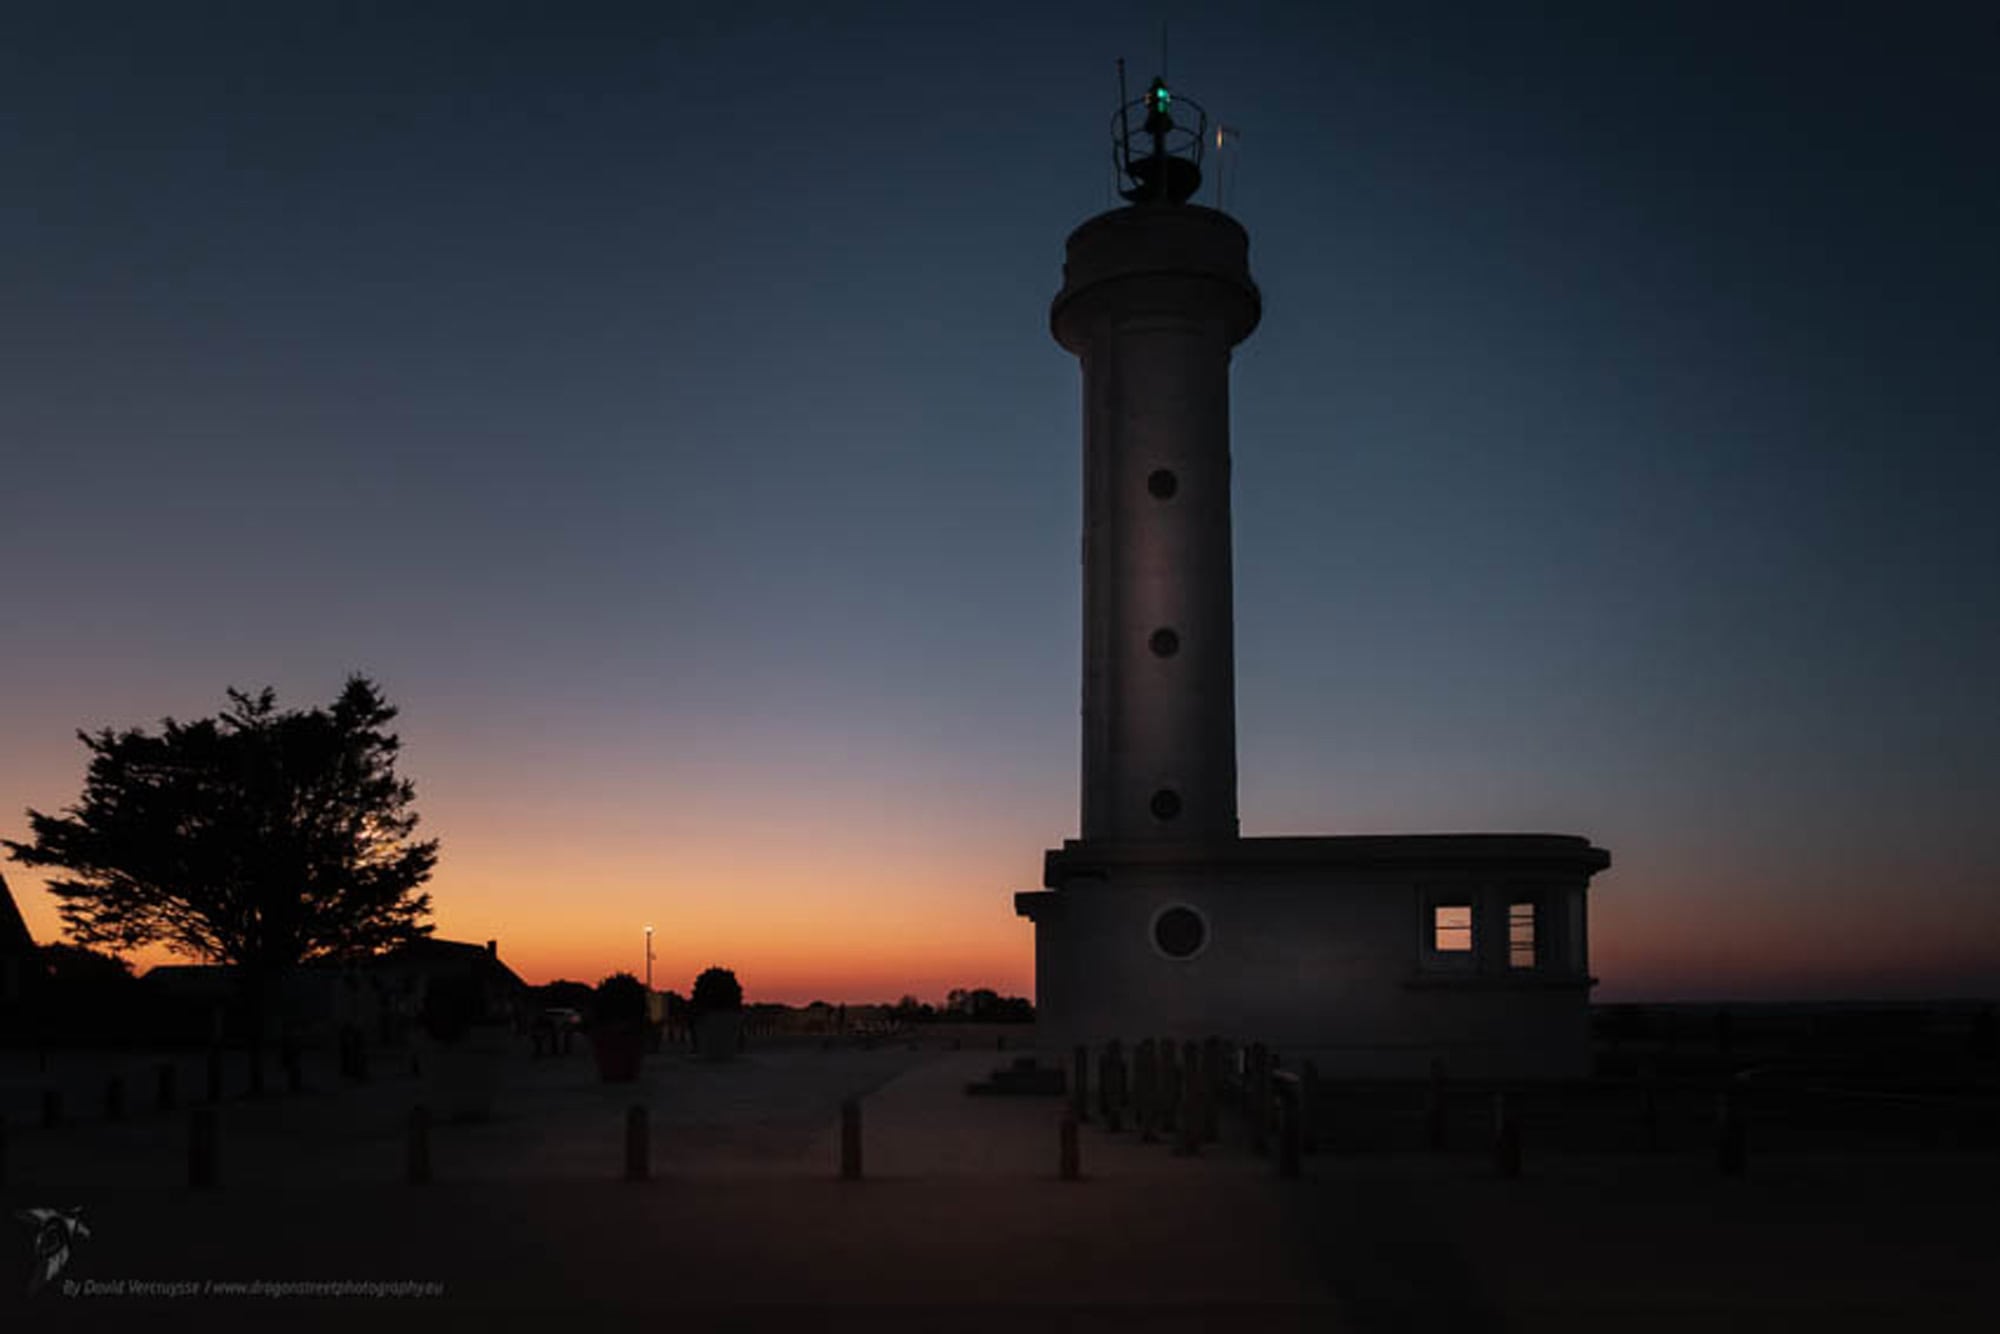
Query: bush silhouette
717	989
620	1002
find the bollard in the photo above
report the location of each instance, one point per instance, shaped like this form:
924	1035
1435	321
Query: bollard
164	1093
1731	1151
1187	1144
114	1098
1290	1148
638	1145
1258	1090
215	1074
417	1167
1434	1107
1070	1163
1145	1091
1506	1139
1112	1086
202	1148
1079	1093
1211	1091
850	1140
1170	1085
51	1108
1308	1108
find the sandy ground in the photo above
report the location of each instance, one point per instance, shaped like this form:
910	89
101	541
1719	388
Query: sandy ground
962	1222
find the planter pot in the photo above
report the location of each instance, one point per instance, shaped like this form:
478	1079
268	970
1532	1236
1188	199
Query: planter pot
718	1034
462	1079
619	1052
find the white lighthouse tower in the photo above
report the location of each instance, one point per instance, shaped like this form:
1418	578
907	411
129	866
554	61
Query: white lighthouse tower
1154	298
1373	955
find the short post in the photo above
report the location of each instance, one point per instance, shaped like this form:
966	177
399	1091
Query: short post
1170	1085
215	1074
638	1145
1308	1108
1071	1169
1731	1150
1188	1142
1117	1087
1145	1090
1434	1106
417	1168
1506	1139
1079	1092
202	1148
850	1140
1211	1091
1258	1088
165	1095
114	1098
51	1108
1290	1146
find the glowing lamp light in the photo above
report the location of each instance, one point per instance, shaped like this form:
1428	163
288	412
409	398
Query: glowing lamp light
1162	99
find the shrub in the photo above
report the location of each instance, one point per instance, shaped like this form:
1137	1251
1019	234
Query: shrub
620	1002
717	989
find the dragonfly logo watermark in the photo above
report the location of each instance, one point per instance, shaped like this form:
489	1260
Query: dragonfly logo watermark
55	1234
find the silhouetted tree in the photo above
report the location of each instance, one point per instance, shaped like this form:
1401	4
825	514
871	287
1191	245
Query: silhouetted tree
258	838
716	989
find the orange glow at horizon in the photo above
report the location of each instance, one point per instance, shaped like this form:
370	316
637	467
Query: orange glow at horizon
818	874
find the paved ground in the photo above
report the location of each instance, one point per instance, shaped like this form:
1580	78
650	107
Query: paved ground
963	1223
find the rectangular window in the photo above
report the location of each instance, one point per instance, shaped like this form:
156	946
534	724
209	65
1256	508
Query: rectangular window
1521	935
1451	928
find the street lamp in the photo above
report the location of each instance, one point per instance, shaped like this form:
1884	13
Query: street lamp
649	964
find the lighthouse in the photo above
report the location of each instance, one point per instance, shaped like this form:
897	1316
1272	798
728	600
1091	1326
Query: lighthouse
1373	955
1154	298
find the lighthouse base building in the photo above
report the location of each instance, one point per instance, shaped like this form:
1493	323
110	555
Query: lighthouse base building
1373	957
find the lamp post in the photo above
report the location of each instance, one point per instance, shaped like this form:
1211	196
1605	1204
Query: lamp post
649	963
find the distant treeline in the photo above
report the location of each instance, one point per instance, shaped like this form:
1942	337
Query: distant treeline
976	1005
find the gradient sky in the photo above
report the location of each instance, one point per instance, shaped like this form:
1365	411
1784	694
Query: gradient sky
658	400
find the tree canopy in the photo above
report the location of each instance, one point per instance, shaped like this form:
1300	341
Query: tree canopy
257	838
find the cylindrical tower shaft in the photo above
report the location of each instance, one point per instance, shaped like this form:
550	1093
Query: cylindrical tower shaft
1154	297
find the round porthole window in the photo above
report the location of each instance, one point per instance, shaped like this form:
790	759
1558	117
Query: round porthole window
1166	804
1179	932
1162	483
1164	643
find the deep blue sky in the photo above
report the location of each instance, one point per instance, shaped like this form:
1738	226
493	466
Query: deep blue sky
658	400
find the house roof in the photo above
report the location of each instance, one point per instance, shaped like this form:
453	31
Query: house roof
15	937
431	951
